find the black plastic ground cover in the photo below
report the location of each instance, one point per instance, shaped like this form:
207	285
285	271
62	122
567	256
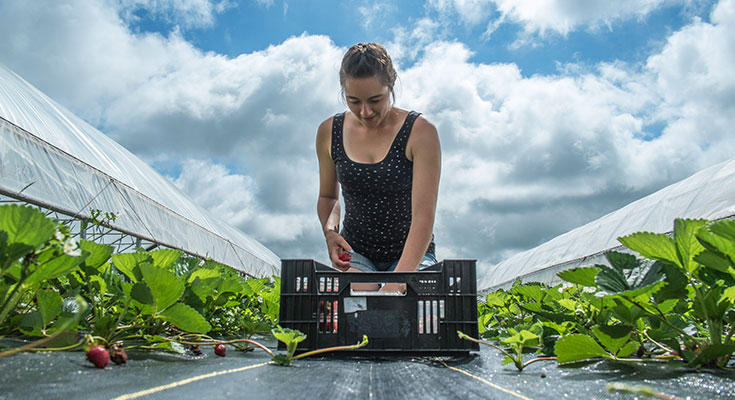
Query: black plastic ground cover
249	375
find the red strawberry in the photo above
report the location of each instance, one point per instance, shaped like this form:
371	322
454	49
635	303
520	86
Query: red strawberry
98	356
345	257
220	350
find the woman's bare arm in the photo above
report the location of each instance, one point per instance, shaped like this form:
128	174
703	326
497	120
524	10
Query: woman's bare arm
328	208
425	151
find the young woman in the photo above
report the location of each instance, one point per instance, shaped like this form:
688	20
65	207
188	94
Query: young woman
387	162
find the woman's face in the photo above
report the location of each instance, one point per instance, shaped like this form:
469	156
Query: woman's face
368	99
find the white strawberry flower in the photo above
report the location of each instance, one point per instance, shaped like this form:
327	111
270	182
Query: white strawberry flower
71	248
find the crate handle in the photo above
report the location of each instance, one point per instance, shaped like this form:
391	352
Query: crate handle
371	289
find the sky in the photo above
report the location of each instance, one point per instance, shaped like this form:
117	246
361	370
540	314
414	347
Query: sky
550	113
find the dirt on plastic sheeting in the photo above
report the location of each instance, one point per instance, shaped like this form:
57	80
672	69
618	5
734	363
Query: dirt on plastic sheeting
157	375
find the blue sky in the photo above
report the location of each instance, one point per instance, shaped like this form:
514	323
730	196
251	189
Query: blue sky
550	113
249	26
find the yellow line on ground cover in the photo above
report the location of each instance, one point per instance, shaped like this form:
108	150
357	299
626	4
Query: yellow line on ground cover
485	381
186	381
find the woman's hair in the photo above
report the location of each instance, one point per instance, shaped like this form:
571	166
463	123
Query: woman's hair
365	60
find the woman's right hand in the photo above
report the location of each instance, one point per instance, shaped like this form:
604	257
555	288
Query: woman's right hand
337	245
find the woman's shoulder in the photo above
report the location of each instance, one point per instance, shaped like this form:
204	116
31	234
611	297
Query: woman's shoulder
324	132
423	136
422	124
327	123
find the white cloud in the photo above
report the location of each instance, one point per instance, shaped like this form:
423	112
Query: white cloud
233	198
471	12
563	16
186	13
229	196
408	44
545	17
373	13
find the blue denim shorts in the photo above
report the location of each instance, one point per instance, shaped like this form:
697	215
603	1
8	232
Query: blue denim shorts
364	264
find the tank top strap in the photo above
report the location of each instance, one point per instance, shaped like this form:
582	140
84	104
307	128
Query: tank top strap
403	135
338	152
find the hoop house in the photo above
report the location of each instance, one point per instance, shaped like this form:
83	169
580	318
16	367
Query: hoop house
708	194
51	158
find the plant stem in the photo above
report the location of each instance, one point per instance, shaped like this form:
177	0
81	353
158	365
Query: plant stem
65	348
637	360
32	345
213	343
529	362
471	339
661	318
328	349
661	346
39	342
15	295
714	327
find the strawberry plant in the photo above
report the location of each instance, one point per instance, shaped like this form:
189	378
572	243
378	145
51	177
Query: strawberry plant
145	299
673	301
291	338
33	250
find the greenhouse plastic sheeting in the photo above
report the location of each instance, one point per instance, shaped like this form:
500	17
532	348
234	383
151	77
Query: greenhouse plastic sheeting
151	375
708	194
50	157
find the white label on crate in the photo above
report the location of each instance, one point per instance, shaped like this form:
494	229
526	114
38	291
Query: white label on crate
354	304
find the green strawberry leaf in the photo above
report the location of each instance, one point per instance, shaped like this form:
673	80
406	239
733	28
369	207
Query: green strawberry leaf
141	293
165	258
584	276
715	260
49	305
531	291
720	236
98	284
613	337
611	280
185	318
98	253
577	347
655	246
52	265
676	283
628	349
32	323
496	299
26	225
165	286
203	273
127	263
686	241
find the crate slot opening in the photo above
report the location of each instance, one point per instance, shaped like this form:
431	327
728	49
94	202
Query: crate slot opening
429	314
328	284
373	289
328	316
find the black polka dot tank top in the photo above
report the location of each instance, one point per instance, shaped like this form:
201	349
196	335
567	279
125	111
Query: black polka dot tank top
377	197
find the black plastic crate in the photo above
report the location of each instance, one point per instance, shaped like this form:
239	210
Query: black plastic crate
440	300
